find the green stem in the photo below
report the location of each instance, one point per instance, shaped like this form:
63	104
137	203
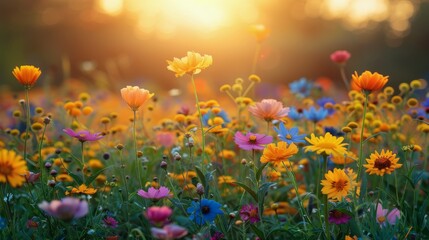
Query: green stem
135	151
361	138
325	200
124	180
203	141
83	163
343	76
28	122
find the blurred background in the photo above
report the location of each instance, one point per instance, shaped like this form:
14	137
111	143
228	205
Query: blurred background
111	43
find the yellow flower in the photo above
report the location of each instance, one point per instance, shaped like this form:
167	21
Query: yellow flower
193	63
277	153
344	159
27	75
382	163
327	144
224	179
95	163
12	168
82	189
135	97
338	184
368	81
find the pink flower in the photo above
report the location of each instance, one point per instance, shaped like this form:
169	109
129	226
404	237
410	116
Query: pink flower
67	209
110	222
269	109
169	232
31	177
384	214
250	213
340	56
154	194
251	141
338	217
158	215
166	139
83	135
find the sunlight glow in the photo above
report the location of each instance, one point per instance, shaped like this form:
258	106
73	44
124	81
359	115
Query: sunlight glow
111	7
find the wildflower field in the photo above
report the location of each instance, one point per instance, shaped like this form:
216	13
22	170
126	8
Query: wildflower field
306	165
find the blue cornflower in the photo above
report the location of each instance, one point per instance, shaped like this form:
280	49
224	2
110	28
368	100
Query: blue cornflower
322	101
222	114
334	131
204	211
289	136
3	223
302	87
294	114
315	115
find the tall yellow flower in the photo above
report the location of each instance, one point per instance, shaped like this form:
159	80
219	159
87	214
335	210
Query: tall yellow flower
338	184
13	168
382	163
193	63
27	75
368	81
135	97
277	153
327	144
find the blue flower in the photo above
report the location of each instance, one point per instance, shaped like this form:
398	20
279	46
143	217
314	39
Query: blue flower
3	223
322	101
294	114
302	87
289	136
222	114
334	131
204	211
315	115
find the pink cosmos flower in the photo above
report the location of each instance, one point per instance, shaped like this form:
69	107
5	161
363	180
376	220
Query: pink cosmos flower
269	109
83	135
251	141
158	215
384	214
154	194
169	232
340	56
250	213
65	209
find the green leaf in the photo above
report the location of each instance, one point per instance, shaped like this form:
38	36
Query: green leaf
94	176
259	172
201	177
263	189
248	190
257	231
77	178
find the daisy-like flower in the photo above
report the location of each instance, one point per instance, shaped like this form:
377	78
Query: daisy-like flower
27	75
368	81
338	217
289	135
251	141
301	88
277	153
382	163
295	114
327	144
158	215
344	159
204	211
169	232
82	189
193	63
83	135
384	215
337	184
154	194
65	209
135	97
269	109
250	213
315	115
13	168
340	56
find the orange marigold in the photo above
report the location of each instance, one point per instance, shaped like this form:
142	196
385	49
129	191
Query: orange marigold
277	153
27	75
368	81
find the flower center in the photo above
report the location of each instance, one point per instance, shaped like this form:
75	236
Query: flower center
382	163
381	219
253	213
289	137
340	185
205	210
5	169
252	139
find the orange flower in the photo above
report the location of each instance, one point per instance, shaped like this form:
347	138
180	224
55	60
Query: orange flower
27	75
135	97
368	81
269	109
193	63
278	153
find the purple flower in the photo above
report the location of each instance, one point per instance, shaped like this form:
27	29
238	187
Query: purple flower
158	215
168	232
251	141
384	214
154	194
65	209
250	213
217	236
110	222
83	135
338	217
